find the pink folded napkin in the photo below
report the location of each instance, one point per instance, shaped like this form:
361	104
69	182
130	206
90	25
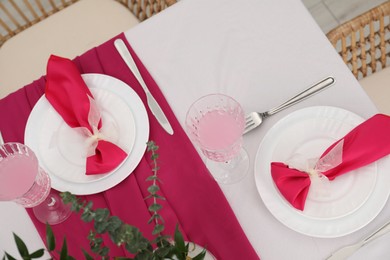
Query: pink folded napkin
363	145
71	98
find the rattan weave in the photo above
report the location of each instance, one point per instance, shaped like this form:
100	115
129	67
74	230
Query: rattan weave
18	15
364	42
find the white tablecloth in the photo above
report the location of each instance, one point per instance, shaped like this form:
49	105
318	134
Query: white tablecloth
261	52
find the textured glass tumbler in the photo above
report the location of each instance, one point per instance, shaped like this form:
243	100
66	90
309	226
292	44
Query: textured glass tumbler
24	182
215	123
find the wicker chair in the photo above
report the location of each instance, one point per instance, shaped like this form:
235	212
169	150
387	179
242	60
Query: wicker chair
364	42
364	45
18	15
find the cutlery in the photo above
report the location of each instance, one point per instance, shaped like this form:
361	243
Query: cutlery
254	119
152	103
347	251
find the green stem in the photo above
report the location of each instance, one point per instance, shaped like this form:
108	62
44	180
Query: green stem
154	183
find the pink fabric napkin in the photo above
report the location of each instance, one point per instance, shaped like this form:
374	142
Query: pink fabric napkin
72	99
363	145
193	199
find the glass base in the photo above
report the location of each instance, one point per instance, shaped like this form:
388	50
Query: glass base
52	210
232	171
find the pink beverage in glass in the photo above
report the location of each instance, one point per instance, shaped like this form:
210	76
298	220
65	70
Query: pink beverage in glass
215	123
21	179
220	130
18	174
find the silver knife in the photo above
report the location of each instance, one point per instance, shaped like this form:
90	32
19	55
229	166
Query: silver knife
347	251
152	103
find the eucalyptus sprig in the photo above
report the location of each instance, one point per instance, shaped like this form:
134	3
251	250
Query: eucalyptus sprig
122	234
153	191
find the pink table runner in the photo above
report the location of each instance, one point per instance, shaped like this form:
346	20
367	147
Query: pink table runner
193	199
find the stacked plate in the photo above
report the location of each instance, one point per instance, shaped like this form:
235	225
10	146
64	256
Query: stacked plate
62	151
353	199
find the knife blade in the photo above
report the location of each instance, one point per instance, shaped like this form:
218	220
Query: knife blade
152	103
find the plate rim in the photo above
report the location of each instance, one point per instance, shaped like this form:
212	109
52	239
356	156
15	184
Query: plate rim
303	225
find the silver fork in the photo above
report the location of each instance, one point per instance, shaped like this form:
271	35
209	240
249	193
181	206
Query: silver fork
254	119
344	252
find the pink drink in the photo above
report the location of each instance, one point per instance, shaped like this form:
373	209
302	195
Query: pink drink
17	175
219	134
21	178
215	123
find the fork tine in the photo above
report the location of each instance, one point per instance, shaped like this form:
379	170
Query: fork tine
248	120
253	120
249	117
249	128
249	124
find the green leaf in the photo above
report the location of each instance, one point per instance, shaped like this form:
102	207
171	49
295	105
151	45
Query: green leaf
101	214
87	216
114	223
95	243
75	207
155	207
66	197
200	256
155	196
152	178
50	239
87	256
162	240
9	257
64	251
179	240
138	243
158	197
155	216
91	235
155	156
22	248
152	146
153	189
104	251
162	251
101	227
144	256
158	228
37	254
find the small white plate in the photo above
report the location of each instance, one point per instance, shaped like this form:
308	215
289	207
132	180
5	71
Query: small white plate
61	150
355	198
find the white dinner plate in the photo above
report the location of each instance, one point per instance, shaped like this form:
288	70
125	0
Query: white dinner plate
61	150
353	200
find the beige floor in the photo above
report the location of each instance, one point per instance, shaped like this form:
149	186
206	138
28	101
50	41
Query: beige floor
331	13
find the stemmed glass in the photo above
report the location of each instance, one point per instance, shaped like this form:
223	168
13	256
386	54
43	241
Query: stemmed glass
215	123
24	182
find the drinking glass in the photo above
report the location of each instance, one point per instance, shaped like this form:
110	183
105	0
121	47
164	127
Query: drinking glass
215	123
24	182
